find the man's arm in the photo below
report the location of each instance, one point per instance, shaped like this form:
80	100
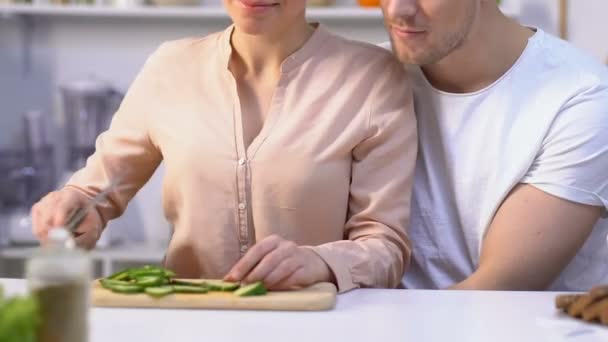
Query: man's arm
532	238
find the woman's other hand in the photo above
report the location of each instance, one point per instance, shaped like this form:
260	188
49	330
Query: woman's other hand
55	209
281	265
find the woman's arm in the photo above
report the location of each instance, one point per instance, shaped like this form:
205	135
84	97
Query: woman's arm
125	151
377	251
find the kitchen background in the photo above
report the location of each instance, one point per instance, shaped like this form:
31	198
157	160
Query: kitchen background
63	70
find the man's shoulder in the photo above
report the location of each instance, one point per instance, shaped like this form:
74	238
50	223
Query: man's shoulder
386	45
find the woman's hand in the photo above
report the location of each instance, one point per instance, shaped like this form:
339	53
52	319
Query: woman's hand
281	265
53	211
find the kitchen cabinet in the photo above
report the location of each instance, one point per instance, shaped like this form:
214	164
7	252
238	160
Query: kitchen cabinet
198	12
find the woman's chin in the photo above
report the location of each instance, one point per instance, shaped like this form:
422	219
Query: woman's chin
252	27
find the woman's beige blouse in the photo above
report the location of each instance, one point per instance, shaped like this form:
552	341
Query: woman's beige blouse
331	169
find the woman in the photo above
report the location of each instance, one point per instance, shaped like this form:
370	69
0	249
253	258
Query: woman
289	154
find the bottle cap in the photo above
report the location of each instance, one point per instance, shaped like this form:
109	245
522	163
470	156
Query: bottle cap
61	237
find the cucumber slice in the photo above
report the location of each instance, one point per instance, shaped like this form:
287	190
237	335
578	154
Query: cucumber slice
148	281
108	283
122	275
159	291
169	273
255	289
189	289
219	285
129	288
187	283
143	272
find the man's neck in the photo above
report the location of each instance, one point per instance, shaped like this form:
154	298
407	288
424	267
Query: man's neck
255	55
493	46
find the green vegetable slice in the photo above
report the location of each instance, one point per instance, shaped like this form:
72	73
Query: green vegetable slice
108	283
255	289
189	289
122	275
159	291
129	288
148	281
219	285
143	272
187	283
168	273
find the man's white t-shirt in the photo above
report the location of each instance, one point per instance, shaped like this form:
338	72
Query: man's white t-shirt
544	123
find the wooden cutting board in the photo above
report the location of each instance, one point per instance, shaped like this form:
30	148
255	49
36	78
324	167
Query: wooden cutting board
318	297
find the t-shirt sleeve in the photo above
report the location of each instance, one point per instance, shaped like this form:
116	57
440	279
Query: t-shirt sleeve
573	160
386	45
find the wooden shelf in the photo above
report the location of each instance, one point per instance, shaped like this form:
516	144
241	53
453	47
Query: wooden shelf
193	12
343	12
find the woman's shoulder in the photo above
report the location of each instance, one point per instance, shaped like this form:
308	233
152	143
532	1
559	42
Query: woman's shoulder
185	46
358	48
180	58
362	54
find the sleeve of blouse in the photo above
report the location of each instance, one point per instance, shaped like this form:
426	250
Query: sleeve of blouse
126	149
376	249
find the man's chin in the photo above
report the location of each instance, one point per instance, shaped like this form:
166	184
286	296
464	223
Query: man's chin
408	57
401	53
404	56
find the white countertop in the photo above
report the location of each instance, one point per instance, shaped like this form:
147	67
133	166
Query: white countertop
360	315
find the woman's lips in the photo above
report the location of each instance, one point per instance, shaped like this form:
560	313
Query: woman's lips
257	6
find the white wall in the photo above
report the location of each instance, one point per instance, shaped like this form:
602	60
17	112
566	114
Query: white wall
19	91
587	21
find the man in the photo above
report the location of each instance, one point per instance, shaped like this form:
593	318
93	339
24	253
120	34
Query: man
512	175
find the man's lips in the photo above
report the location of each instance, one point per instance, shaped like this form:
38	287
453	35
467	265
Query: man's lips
407	32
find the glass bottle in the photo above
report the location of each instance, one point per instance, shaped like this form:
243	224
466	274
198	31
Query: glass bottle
59	275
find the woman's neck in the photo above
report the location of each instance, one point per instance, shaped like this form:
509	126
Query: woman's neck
254	55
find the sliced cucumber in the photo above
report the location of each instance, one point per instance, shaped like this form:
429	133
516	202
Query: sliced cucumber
108	283
219	285
189	289
169	273
255	289
187	283
143	272
149	281
159	291
122	275
129	288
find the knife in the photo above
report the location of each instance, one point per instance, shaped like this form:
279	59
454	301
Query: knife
80	214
